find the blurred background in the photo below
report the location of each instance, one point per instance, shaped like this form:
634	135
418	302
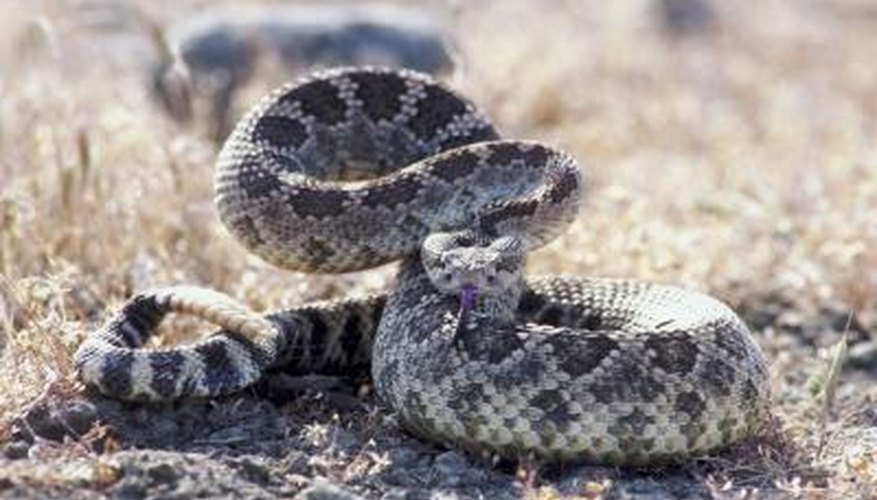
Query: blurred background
726	145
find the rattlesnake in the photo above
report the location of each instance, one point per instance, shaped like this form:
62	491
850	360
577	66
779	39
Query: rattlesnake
465	350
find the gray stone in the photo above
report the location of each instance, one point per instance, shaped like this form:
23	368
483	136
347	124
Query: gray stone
221	50
326	491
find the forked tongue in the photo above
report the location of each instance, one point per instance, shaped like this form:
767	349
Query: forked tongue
468	295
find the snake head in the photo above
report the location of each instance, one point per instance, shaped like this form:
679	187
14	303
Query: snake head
472	266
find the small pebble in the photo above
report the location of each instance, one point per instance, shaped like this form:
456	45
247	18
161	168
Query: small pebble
253	470
16	450
55	421
455	470
163	473
407	494
326	491
343	440
403	457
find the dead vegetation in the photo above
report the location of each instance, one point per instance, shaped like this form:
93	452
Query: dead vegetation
741	161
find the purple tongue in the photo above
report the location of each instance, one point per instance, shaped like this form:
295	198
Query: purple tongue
467	298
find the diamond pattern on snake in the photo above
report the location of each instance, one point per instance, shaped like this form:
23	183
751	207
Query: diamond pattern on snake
354	167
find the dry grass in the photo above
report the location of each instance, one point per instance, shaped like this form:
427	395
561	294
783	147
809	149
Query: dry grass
743	162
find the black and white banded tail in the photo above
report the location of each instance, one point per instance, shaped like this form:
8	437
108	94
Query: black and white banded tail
329	337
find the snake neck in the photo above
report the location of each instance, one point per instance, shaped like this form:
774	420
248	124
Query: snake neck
499	310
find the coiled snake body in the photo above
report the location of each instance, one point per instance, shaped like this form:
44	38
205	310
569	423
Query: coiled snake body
352	168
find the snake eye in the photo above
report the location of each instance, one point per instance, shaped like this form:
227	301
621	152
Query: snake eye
491	278
446	277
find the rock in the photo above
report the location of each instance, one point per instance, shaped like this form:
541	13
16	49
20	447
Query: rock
863	356
222	49
162	473
403	457
254	470
407	494
56	420
342	440
16	450
453	469
326	491
687	17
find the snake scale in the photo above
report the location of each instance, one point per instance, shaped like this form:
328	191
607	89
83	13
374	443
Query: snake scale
355	167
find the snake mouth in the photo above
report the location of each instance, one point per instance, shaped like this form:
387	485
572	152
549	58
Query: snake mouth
468	295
